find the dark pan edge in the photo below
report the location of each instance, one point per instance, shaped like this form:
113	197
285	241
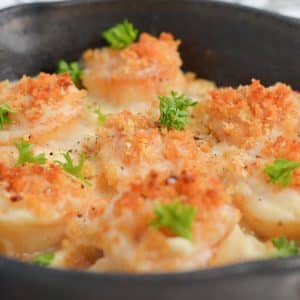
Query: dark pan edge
239	270
264	267
238	7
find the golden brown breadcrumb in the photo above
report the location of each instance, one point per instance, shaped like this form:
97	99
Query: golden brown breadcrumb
37	202
240	116
129	146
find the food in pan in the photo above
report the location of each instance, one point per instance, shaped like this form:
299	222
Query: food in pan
124	163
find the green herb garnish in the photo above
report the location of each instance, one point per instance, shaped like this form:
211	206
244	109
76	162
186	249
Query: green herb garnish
285	248
100	115
281	170
5	110
75	170
27	156
177	217
44	259
73	69
121	35
173	110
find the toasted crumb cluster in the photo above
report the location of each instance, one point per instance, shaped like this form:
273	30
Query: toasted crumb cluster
282	147
129	146
263	203
244	115
46	191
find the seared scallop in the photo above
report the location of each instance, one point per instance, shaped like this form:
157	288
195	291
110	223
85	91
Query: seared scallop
271	209
247	116
134	77
36	204
129	146
198	215
44	107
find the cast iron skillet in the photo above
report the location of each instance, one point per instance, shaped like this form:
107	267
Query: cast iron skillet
226	43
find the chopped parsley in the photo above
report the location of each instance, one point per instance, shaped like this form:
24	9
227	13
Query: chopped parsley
44	259
95	109
27	156
281	170
173	110
285	248
5	110
73	69
176	216
121	35
75	170
100	115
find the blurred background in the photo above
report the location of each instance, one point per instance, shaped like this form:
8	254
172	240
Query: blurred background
286	7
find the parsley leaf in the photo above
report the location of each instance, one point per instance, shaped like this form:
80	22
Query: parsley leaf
44	259
173	112
285	247
100	115
73	69
121	35
280	171
69	167
178	217
27	156
5	110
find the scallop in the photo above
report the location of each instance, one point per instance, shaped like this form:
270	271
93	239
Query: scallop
130	244
134	77
36	204
249	115
269	209
130	145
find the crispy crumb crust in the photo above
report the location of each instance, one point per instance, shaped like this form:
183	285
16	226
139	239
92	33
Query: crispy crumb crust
241	116
44	190
128	146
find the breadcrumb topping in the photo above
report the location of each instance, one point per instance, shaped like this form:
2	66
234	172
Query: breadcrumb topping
43	190
129	146
239	116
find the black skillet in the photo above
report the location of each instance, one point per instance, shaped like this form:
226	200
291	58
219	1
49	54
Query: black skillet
226	43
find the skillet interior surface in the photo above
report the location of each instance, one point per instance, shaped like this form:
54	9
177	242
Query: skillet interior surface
221	42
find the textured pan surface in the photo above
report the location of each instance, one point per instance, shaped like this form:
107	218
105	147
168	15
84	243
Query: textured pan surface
225	43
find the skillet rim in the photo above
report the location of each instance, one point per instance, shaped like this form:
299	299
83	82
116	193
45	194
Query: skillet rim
274	267
216	3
